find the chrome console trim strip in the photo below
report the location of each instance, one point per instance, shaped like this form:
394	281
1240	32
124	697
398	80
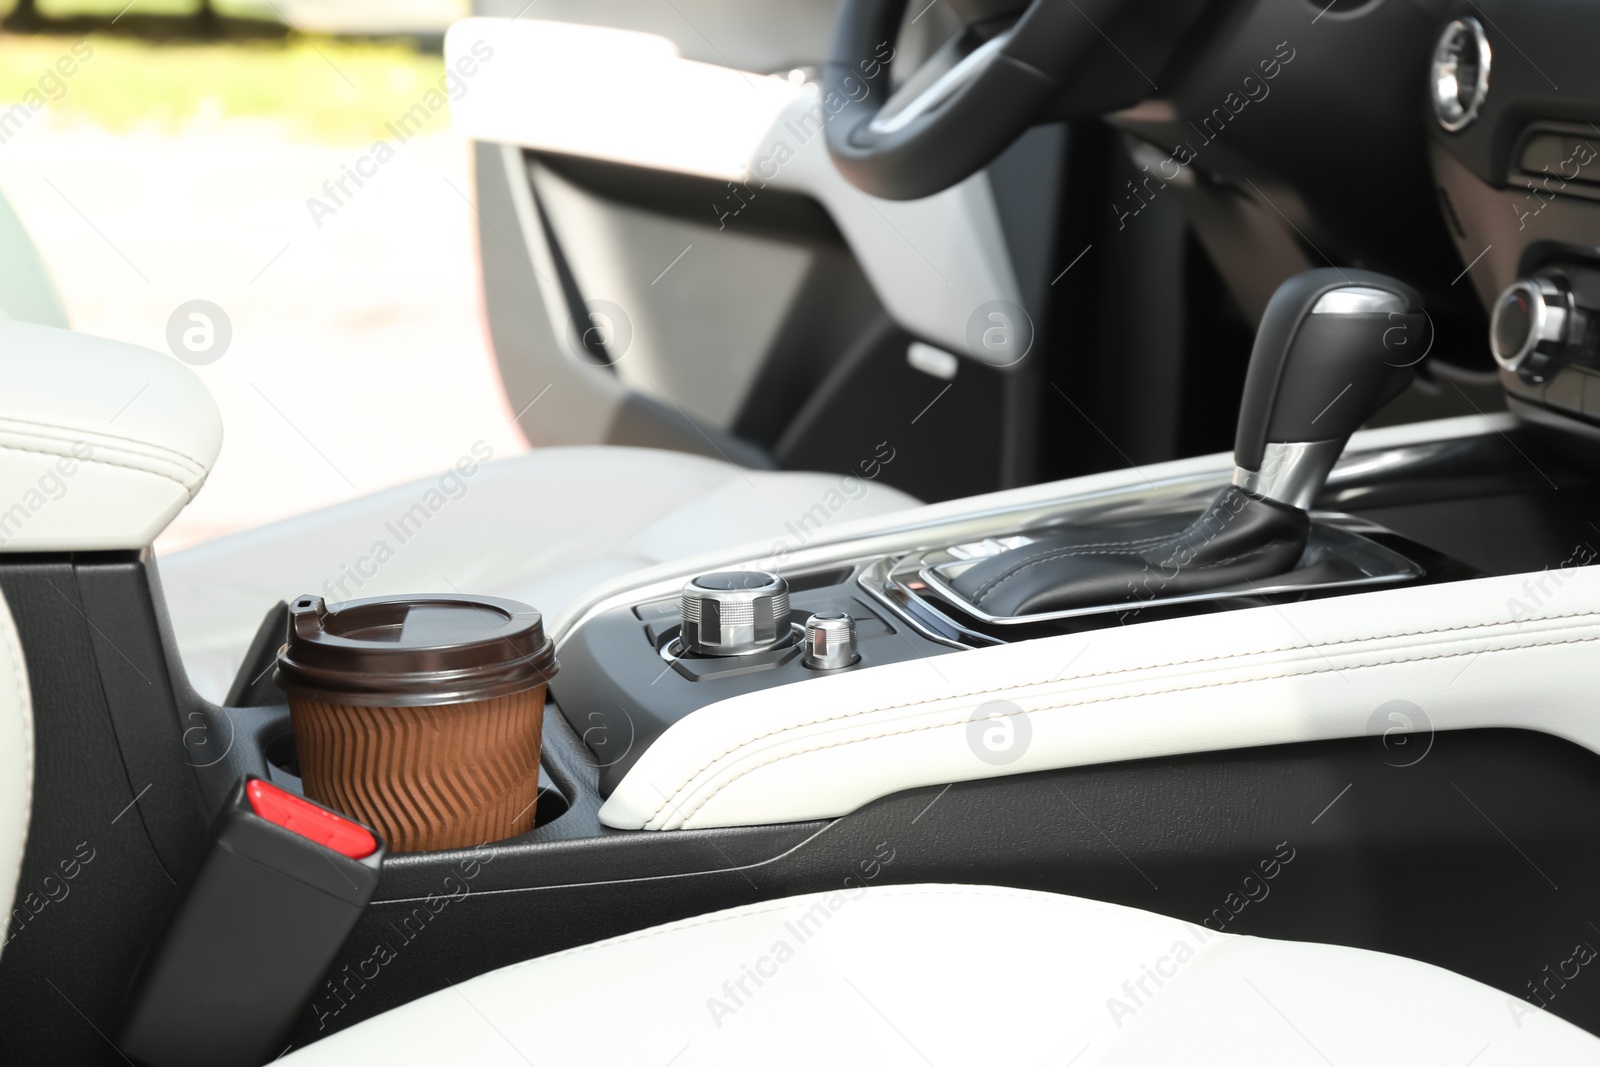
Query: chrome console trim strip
1336	557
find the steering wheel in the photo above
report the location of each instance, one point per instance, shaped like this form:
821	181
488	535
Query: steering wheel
980	91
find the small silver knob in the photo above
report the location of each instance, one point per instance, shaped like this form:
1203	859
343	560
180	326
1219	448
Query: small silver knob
1529	325
734	613
830	641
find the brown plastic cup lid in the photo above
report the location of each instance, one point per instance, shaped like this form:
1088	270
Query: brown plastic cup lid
413	651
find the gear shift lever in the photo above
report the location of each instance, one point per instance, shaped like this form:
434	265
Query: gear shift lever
1333	347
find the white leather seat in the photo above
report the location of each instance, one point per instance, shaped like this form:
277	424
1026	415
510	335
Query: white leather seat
542	528
946	974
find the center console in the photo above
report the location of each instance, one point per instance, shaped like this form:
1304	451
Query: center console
1334	346
626	678
870	719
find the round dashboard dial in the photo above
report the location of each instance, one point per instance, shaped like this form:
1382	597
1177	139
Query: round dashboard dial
1528	324
1460	79
1513	324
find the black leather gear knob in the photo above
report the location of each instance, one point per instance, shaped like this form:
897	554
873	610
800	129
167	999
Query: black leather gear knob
1333	347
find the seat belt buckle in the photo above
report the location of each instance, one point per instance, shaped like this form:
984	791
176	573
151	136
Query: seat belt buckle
274	899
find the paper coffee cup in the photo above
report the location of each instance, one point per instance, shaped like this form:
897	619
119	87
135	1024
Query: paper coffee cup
420	716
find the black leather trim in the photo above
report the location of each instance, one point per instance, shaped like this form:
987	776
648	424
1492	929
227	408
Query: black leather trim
1302	364
1238	538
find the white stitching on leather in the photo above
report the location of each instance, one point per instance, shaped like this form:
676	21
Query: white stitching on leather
180	483
1069	551
1051	554
56	426
54	432
961	717
64	447
1134	604
1331	648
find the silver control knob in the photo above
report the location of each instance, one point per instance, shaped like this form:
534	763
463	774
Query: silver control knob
1529	325
734	613
830	641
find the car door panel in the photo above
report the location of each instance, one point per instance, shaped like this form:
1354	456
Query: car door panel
686	316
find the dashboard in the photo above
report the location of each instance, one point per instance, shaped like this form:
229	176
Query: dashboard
1513	103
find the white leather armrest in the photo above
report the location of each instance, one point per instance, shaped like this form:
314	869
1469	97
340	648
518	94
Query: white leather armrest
101	442
1515	651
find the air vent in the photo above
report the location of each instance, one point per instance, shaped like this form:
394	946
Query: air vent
1460	78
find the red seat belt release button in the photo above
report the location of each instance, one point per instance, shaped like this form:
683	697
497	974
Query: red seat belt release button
310	821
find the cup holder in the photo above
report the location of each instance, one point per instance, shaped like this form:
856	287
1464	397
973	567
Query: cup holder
283	770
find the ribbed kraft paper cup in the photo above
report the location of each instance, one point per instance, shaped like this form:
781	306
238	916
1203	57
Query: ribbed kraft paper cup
420	716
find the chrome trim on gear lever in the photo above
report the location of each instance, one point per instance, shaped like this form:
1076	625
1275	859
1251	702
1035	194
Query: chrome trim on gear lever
1360	300
1291	473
